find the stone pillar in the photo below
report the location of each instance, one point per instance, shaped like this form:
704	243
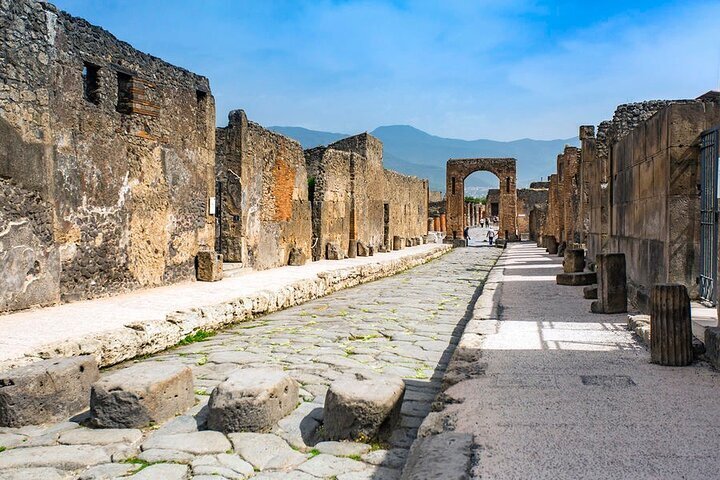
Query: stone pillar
436	224
443	223
209	266
612	284
429	225
574	260
352	248
670	325
398	243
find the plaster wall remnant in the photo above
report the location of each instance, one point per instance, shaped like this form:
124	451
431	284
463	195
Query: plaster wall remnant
457	171
264	206
356	200
106	156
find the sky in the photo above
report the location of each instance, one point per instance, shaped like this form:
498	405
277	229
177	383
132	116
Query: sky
501	70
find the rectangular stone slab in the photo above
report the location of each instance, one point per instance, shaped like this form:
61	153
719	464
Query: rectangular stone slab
576	279
141	395
46	391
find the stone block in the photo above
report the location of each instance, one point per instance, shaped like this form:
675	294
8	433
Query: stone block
352	248
333	252
574	260
590	292
371	251
712	345
46	391
363	407
362	249
142	394
398	243
297	257
670	325
209	266
576	279
458	242
612	284
551	245
252	400
561	249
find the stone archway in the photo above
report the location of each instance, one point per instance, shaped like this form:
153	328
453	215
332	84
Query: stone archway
457	171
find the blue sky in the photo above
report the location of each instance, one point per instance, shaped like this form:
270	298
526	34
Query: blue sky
464	69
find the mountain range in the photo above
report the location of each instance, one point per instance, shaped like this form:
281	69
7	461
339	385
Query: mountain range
412	151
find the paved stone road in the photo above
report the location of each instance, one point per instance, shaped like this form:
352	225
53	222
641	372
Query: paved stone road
403	325
567	394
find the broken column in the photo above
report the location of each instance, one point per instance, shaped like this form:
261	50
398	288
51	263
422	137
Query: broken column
142	394
574	260
670	325
363	407
398	243
333	252
612	284
209	266
297	257
252	400
46	391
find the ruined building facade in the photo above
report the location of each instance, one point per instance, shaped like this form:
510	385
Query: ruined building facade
358	206
106	162
638	192
111	178
263	195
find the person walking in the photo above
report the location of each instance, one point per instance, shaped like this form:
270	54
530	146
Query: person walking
491	236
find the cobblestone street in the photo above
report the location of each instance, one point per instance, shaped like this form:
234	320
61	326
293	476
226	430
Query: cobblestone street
404	325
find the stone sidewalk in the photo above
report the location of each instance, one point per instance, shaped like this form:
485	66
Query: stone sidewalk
122	327
405	325
543	389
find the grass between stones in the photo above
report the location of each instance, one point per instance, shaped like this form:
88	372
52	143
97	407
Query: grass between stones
199	336
2	449
142	464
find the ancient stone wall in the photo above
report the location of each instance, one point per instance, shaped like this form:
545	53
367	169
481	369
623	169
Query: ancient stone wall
265	211
569	182
356	199
117	143
530	199
654	216
553	225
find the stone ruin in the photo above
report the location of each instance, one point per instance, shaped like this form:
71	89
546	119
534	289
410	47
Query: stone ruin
113	176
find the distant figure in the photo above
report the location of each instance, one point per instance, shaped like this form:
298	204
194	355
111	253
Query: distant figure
491	236
465	233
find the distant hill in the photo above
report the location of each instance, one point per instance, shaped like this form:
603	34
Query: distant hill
414	152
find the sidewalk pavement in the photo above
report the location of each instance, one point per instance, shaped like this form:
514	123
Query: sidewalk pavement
121	327
544	389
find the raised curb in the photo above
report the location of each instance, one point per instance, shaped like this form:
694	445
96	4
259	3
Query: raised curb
146	337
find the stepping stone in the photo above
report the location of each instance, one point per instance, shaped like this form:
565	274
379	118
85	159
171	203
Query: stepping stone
141	395
198	443
576	279
363	407
266	451
252	399
46	391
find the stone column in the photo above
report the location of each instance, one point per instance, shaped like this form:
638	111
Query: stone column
436	223
574	260
443	223
612	284
670	325
429	225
